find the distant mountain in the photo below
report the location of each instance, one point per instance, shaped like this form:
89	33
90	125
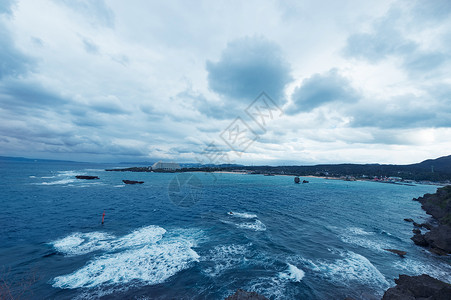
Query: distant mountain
441	164
437	170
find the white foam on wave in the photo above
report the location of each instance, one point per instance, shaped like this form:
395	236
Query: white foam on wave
362	238
62	178
293	273
257	225
145	235
71	173
140	257
83	243
435	269
62	181
150	264
351	268
32	176
243	215
358	231
225	257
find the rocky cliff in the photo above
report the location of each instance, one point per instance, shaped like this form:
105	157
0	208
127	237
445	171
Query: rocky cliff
438	238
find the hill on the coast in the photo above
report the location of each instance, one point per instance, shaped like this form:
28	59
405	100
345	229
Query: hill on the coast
441	164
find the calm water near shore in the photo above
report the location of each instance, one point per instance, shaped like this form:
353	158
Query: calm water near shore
202	236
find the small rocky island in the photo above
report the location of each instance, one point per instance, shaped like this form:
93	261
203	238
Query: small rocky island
87	177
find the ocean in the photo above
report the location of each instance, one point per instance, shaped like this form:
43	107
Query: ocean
203	235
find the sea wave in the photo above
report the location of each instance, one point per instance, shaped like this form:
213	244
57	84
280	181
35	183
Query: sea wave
293	273
257	225
350	269
142	257
243	215
150	264
83	243
224	257
362	238
435	269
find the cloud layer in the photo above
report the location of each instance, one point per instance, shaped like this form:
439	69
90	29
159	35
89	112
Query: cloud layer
108	81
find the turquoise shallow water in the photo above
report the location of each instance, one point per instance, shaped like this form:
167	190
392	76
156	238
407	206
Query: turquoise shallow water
173	237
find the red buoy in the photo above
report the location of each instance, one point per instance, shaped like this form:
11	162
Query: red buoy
103	217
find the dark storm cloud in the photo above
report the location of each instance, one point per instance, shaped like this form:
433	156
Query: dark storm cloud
247	67
320	89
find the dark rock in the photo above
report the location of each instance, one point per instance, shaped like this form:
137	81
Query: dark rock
419	240
416	231
439	238
399	252
408	220
132	182
418	287
243	295
438	205
426	225
86	177
297	180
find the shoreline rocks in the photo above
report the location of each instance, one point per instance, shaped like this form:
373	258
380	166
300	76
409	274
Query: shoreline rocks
438	238
418	287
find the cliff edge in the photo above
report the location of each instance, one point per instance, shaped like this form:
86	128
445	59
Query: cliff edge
438	238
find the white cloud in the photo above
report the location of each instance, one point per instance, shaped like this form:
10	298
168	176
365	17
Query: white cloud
109	80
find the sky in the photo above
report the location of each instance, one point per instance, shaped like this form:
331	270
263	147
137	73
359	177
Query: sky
247	82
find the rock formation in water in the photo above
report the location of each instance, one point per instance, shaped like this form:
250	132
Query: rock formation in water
422	287
132	181
399	252
86	177
438	238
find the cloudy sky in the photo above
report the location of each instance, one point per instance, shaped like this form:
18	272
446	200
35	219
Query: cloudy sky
344	81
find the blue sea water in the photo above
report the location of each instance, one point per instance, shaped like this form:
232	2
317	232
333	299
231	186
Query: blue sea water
173	237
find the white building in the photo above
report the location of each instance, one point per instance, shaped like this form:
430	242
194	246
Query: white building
166	166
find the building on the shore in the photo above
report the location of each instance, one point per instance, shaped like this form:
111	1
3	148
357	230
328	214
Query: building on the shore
166	166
